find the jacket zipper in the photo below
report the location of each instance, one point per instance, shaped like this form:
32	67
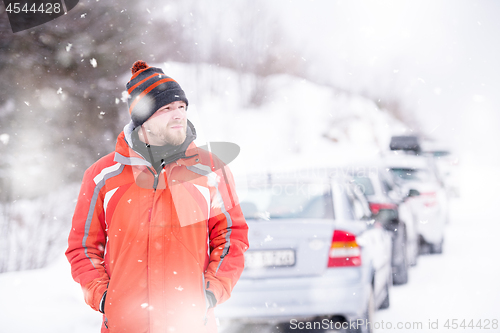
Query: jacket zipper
155	184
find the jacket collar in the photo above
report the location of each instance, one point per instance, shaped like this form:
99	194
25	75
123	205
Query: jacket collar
124	153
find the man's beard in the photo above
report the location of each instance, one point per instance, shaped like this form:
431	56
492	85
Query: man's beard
166	135
174	137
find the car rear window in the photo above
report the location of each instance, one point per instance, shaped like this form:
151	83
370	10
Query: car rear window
440	153
289	200
411	174
365	185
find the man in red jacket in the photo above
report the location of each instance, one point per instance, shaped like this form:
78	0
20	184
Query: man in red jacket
158	235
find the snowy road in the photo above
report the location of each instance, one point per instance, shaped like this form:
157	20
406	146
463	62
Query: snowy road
463	283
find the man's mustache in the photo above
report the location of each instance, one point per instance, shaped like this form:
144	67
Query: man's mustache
176	124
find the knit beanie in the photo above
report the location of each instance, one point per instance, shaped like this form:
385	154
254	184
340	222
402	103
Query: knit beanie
149	89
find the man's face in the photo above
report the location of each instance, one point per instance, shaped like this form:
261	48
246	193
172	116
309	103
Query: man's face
166	126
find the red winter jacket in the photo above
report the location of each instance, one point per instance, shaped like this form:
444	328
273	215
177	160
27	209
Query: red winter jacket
155	242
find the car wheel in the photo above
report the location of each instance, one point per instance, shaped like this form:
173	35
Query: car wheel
400	276
368	317
437	248
424	247
386	303
416	252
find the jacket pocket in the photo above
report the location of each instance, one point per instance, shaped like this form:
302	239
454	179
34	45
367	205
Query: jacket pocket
103	302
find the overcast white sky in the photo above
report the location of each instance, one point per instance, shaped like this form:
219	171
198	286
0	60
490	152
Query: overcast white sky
440	57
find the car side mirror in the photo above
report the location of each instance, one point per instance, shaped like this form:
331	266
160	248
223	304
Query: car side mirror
394	221
367	218
413	193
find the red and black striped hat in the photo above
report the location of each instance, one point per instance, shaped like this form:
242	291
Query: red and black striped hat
149	89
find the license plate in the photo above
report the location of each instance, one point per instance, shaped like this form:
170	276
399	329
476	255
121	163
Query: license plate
271	258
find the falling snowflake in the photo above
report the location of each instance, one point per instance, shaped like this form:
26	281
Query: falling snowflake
125	96
27	103
59	91
268	238
93	62
68	47
4	138
144	305
83	15
179	288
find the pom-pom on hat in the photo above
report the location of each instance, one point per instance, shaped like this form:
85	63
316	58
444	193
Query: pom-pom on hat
149	89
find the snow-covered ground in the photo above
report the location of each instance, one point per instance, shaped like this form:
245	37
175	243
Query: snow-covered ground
45	301
461	284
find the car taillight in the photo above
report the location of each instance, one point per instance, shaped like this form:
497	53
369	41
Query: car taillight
344	251
376	207
430	198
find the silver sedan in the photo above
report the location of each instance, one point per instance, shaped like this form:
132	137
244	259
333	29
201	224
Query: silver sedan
315	256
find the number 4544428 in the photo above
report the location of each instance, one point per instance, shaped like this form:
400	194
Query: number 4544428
485	324
47	8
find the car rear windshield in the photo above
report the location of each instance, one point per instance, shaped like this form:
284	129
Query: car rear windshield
440	153
411	174
365	185
293	201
